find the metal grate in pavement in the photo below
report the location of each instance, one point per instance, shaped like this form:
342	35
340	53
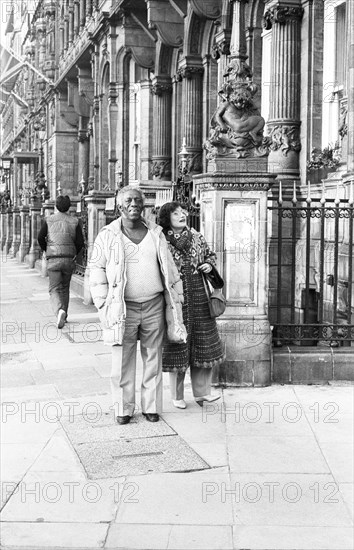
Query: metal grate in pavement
109	450
110	459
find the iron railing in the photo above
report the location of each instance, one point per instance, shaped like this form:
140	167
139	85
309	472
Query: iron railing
311	270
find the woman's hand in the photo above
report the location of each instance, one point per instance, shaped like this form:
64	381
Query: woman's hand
205	268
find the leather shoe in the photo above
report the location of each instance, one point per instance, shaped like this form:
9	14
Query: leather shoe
123	419
151	417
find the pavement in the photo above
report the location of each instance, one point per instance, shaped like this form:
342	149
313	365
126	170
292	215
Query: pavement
262	468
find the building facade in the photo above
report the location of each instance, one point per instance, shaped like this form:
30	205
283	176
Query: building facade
97	94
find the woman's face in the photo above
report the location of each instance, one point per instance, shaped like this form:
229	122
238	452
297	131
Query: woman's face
178	219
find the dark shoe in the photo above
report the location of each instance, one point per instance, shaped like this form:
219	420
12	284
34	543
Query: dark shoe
151	417
123	419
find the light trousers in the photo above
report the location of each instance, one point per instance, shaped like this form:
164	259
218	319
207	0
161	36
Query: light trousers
200	378
147	321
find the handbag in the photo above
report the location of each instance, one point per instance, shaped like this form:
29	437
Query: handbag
214	277
216	299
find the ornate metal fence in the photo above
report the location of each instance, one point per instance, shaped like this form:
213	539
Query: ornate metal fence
311	271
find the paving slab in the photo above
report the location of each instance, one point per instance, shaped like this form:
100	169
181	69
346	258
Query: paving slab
57	456
284	499
17	458
339	456
54	535
138	536
58	497
29	393
25	423
177	499
347	493
86	386
200	537
292	538
281	454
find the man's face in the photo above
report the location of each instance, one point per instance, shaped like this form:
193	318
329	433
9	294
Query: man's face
132	205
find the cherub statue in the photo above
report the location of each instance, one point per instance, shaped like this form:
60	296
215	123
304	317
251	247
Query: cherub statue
237	123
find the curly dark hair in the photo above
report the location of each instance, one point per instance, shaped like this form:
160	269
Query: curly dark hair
164	218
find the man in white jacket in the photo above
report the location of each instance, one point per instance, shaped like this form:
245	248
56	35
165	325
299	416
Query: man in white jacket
137	291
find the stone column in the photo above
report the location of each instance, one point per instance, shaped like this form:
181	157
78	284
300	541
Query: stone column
191	71
16	232
62	37
96	219
66	32
82	13
48	209
25	233
9	230
83	155
71	22
88	8
284	114
76	17
112	132
350	84
162	127
3	227
35	224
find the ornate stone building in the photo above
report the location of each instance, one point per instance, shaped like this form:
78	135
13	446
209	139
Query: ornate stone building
102	93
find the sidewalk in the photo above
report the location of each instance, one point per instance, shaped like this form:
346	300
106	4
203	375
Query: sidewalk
263	468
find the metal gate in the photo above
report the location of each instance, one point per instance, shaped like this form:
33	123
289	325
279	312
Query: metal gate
311	270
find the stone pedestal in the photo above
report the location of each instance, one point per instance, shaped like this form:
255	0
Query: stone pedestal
48	209
25	233
16	232
96	219
234	222
35	224
9	230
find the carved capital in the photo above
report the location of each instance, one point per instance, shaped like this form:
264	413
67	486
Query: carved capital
159	88
189	72
282	15
284	137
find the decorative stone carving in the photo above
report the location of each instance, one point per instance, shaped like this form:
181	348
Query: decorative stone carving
343	124
193	164
221	48
282	14
160	89
285	137
237	126
161	169
188	72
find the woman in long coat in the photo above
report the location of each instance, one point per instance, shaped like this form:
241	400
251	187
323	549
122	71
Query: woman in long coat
203	349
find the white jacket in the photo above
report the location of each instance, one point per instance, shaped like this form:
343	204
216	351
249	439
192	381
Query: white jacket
107	275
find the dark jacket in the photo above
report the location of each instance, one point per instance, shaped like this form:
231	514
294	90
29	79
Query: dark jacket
61	236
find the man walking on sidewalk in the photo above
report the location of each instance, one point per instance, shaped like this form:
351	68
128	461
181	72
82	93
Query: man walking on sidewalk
61	239
137	289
